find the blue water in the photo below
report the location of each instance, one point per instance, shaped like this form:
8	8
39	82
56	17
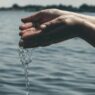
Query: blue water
66	68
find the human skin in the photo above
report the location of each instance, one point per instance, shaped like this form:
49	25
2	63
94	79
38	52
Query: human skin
53	26
49	14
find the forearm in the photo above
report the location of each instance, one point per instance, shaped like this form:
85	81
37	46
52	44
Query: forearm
86	17
89	33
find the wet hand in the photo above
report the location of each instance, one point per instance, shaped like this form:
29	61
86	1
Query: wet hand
53	31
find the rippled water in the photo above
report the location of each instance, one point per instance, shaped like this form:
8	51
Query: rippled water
67	68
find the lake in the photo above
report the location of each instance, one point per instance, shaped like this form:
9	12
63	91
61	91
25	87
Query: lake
66	68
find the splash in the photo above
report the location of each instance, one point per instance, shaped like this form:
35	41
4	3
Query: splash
25	59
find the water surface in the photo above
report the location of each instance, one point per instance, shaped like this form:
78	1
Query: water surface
67	68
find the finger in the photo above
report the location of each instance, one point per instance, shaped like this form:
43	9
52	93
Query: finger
34	43
25	26
27	44
47	24
38	41
26	34
27	30
53	23
32	18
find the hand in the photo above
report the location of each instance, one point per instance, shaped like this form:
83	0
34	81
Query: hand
59	29
50	14
35	31
43	16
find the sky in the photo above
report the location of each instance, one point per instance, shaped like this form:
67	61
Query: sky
8	3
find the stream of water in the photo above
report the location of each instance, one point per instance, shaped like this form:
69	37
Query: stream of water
25	59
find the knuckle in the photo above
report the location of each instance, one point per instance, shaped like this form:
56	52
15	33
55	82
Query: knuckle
54	9
51	23
47	24
61	19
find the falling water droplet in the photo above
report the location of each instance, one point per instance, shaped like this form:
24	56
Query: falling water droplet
25	59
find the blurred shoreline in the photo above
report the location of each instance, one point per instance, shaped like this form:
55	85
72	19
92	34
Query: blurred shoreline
33	8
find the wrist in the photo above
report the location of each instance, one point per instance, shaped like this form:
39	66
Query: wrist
83	16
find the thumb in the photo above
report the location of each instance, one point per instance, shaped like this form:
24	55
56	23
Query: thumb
54	23
51	23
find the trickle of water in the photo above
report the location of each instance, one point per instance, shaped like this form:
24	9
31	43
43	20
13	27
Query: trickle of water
25	59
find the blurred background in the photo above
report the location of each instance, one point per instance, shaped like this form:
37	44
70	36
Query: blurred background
9	3
66	68
30	5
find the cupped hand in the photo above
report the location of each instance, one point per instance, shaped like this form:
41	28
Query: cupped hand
53	31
